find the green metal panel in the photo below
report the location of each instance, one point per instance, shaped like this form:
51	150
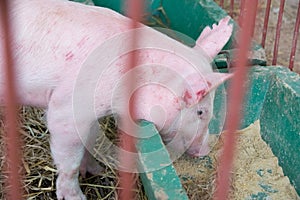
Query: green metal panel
257	85
280	121
219	114
119	5
185	16
191	17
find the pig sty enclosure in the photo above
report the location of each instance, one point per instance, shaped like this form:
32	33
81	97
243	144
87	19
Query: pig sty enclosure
266	162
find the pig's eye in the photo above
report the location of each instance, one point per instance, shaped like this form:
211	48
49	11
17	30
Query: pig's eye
199	112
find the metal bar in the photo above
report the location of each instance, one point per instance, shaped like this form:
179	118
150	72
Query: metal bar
242	11
295	39
278	28
236	95
12	138
266	22
231	7
127	179
222	3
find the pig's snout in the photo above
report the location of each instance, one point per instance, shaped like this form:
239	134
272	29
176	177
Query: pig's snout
199	146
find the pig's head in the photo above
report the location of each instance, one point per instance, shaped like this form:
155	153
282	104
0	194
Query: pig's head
189	130
179	100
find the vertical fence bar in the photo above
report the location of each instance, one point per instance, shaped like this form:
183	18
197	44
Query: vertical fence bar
222	3
231	7
242	11
236	95
266	22
295	39
127	179
278	28
12	139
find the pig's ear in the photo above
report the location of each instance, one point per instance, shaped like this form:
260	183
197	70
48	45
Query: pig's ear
197	86
215	79
211	41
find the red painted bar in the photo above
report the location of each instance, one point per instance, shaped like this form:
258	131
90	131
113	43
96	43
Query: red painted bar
127	182
236	96
278	28
127	179
231	7
222	3
12	139
242	11
295	39
266	22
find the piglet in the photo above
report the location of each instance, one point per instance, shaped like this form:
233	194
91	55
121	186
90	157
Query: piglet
58	49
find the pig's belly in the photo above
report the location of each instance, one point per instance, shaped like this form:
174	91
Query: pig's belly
32	88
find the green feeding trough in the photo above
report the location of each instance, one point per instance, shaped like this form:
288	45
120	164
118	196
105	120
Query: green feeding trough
159	176
273	97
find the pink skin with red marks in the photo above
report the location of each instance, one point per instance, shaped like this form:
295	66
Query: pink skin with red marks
52	40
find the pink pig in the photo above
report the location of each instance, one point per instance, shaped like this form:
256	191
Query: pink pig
54	40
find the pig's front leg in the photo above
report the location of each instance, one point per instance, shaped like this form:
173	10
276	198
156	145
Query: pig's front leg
89	163
67	146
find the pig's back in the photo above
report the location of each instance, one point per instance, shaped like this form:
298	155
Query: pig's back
52	40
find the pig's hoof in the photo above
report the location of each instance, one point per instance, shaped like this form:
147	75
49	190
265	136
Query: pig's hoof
67	187
71	197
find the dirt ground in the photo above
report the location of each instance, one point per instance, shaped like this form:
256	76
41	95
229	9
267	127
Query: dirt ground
286	33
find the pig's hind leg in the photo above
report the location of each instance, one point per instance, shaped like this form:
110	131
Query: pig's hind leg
67	148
